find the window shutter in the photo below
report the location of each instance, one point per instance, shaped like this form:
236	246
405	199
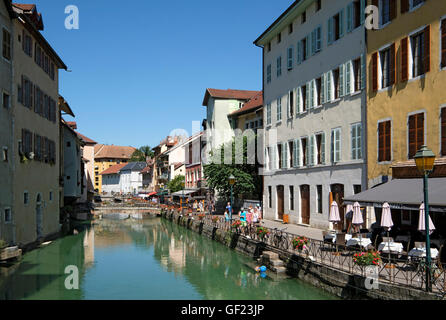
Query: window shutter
404	60
341	23
350	17
323	148
359	141
362	11
363	71
427	49
353	142
311	94
348	75
375	71
381	141
443	43
299	52
392	65
332	146
312	150
297	155
308	46
404	6
328	77
307	98
330	30
338	145
290	58
388	144
412	136
322	93
298	101
319	38
443	132
392	13
341	80
313	41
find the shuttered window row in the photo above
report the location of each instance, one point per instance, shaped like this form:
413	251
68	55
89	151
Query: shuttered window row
419	45
32	97
44	149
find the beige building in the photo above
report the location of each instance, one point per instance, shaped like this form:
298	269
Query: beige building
6	142
106	156
36	190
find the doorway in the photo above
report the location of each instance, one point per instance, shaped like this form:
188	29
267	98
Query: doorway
280	202
337	192
305	203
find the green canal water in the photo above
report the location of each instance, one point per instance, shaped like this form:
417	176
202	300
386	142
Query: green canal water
151	259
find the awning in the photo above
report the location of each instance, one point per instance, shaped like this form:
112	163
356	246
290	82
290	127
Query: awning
406	194
184	192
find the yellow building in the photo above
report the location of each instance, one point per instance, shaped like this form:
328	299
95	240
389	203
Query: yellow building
406	84
106	156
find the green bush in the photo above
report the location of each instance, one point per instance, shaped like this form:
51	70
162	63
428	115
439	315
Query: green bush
3	244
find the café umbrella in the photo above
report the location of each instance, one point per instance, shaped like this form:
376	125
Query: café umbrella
386	217
334	213
357	215
422	219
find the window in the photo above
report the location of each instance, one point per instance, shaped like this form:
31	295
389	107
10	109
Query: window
51	195
320	148
357	76
290	58
27	44
270	202
292	153
443	43
6	45
385	11
25	197
291	197
279	66
269	46
356	138
268	114
415	4
268	74
8	215
318	5
443	132
304	49
357	188
387	60
336	27
356	14
280	153
319	199
420	53
296	154
279	37
304	144
279	109
317	39
336	145
304	17
5	154
384	141
290	104
336	83
318	91
304	93
6	100
290	28
416	133
27	142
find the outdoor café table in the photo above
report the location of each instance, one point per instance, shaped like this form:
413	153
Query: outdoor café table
421	253
390	247
362	242
332	237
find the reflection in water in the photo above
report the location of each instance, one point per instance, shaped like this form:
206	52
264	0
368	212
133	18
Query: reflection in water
144	259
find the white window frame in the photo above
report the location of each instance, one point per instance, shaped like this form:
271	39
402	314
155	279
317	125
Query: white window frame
290	62
11	44
381	24
410	54
268	115
412	8
380	71
268	73
279	114
336	159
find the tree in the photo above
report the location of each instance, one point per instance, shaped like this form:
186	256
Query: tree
141	154
176	184
248	181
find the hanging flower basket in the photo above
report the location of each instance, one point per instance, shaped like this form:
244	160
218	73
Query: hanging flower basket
367	259
300	243
236	224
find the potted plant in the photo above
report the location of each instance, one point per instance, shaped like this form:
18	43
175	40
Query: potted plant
262	232
367	259
300	243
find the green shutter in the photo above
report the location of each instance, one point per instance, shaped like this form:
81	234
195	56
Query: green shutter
328	78
348	68
297	155
323	148
341	80
350	17
312	150
322	93
298	103
308	47
341	23
330	31
307	98
362	11
299	52
363	72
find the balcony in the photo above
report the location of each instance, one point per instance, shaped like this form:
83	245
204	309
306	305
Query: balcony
162	164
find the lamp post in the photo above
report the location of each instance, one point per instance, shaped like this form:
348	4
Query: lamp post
231	182
182	198
424	160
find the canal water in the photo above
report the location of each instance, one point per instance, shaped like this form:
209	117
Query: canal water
150	259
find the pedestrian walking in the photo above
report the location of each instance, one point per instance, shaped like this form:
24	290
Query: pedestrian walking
249	215
243	217
227	217
255	216
229	208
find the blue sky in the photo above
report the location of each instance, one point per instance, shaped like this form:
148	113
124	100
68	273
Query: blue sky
140	70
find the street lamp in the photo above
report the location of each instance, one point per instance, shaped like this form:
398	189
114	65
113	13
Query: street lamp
182	198
424	160
232	182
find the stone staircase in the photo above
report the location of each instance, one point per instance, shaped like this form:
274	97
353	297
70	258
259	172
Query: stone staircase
272	261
